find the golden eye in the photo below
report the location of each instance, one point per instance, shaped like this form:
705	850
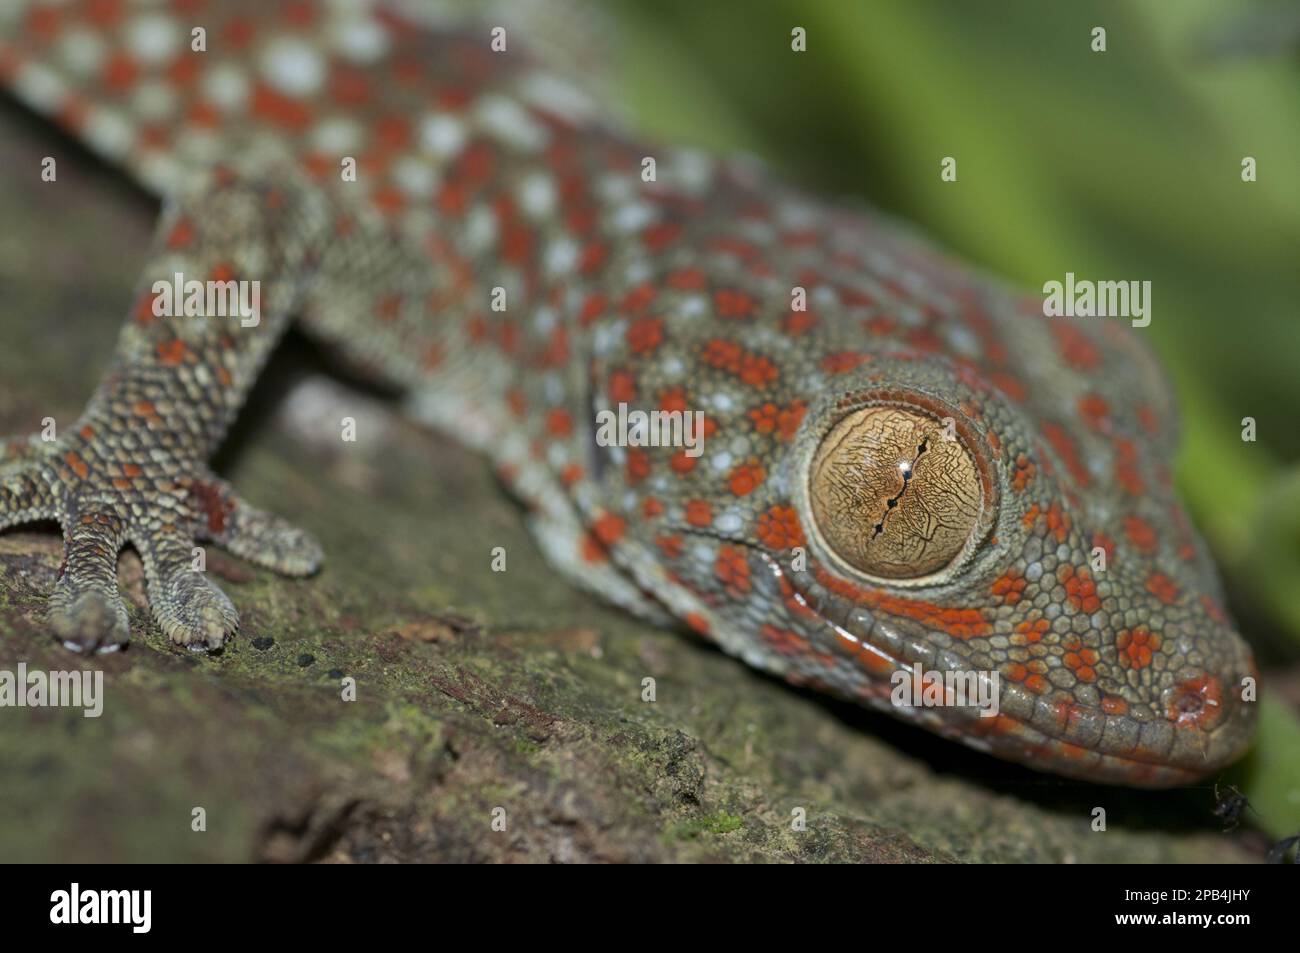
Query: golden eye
893	494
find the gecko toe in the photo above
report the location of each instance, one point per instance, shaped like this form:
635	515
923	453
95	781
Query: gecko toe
88	620
262	538
85	611
190	609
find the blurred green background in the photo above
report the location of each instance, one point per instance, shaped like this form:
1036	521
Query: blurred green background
1124	163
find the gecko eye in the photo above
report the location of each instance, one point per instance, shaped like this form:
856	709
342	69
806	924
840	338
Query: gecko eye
893	494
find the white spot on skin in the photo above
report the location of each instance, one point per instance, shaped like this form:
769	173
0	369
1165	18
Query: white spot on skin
109	132
160	170
480	229
336	136
361	41
82	52
633	217
537	196
721	461
442	136
153	39
544	319
154	100
561	258
729	522
510	123
414	177
293	67
40	86
556	96
703	554
226	87
199	146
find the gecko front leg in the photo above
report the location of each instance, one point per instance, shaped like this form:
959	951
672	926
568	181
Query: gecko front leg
133	469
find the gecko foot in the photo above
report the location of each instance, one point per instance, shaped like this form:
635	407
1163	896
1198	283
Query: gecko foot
104	503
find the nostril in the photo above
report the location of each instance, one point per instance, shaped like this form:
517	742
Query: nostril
1195	702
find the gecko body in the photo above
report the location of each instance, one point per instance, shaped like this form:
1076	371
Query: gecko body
903	462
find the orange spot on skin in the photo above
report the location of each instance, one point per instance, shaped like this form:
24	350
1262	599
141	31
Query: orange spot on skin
639	297
687	279
559	422
798	322
670	546
1032	630
681	464
1081	662
76	464
1025	471
645	334
844	361
651	507
1095	411
1126	468
697	622
120	73
171	352
1009	587
1140	534
637	467
279	110
622	387
784	421
1214	610
181	235
1064	446
779	528
1079	588
591	549
746	478
754	369
1009	385
1076	347
880	325
733	304
1148	420
699	513
1163	588
659	236
131	470
1137	647
592	308
784	641
609	529
732	569
593	256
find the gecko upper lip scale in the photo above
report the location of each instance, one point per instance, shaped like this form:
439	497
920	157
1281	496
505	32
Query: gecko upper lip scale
431	352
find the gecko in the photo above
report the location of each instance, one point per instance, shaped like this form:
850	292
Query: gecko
903	465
